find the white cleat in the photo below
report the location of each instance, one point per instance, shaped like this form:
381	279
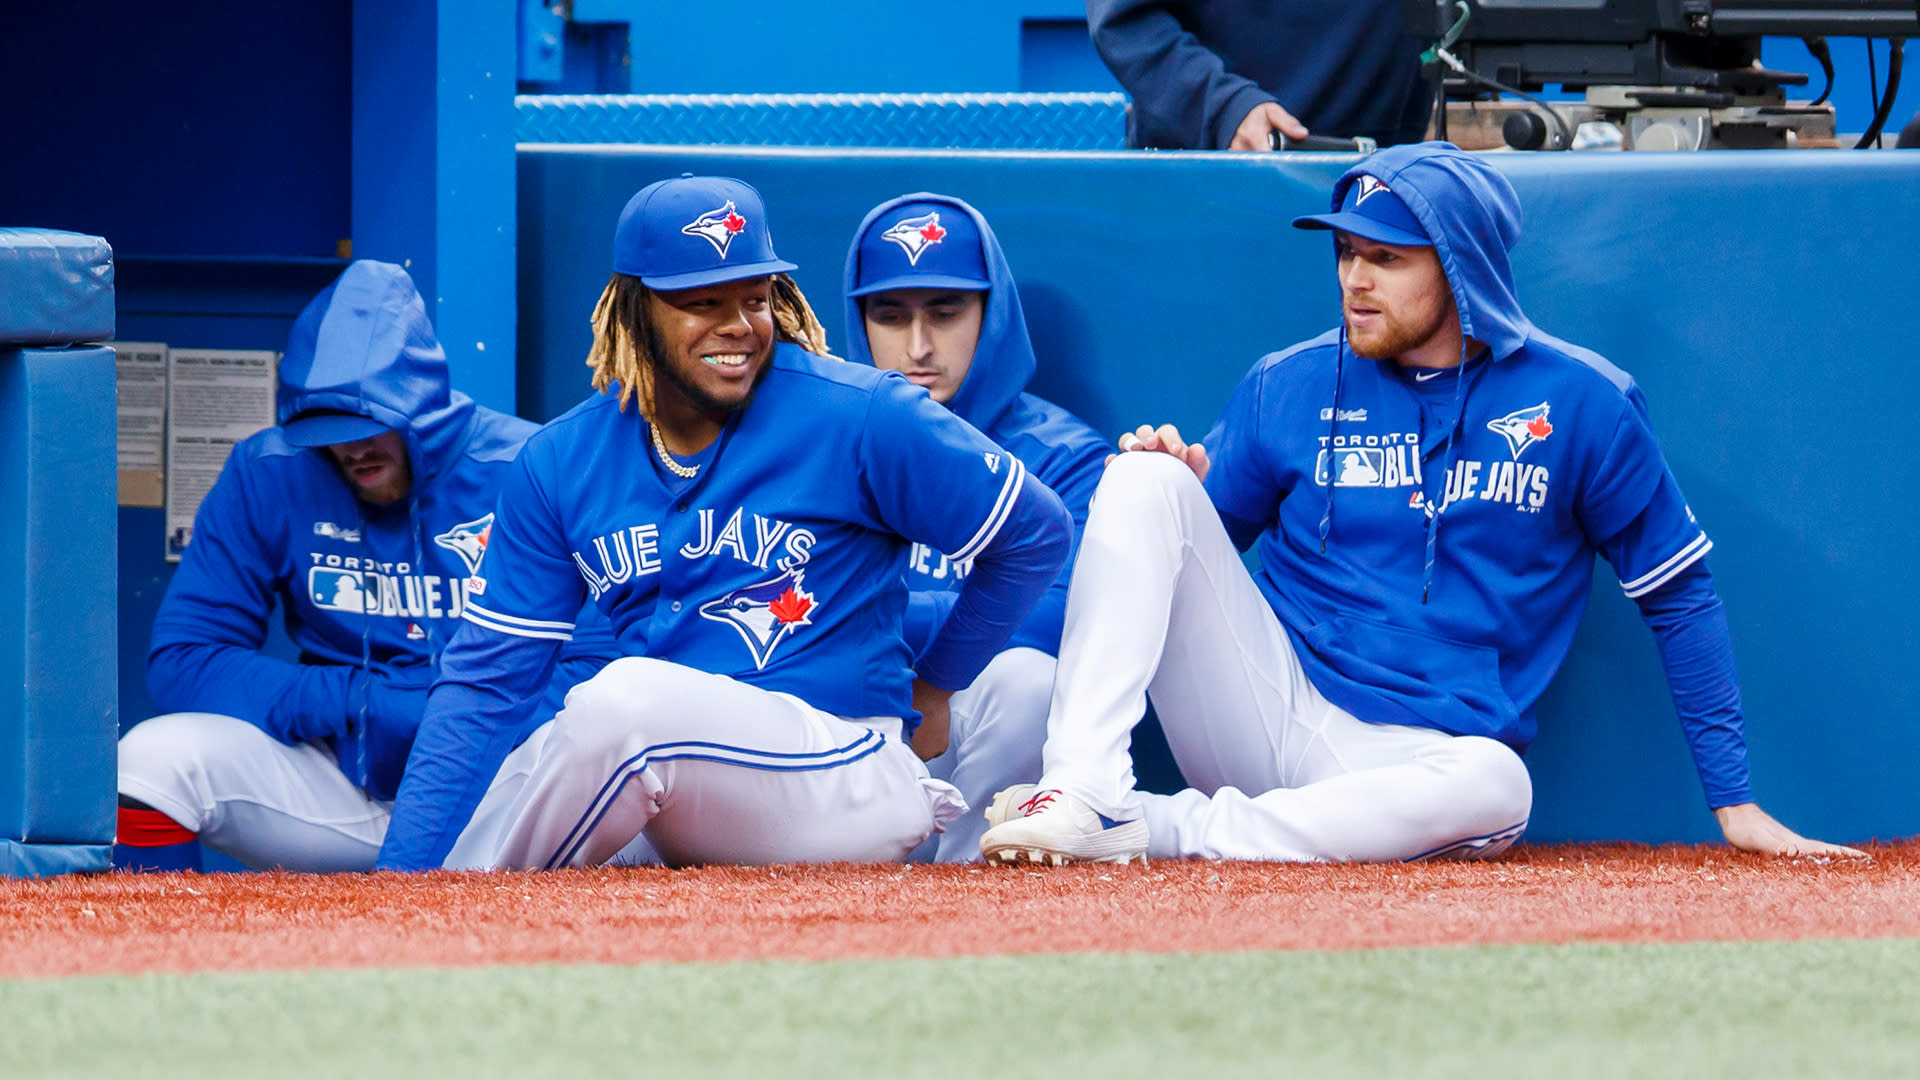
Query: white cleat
1050	827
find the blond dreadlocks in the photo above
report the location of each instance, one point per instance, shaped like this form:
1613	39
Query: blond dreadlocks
620	335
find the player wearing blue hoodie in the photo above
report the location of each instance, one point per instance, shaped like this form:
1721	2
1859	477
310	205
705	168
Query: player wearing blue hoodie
929	294
1426	489
362	515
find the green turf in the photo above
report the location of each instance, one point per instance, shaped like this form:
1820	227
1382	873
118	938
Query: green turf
1706	1010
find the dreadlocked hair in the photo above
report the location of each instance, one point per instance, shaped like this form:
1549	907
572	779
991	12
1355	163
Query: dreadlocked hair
621	332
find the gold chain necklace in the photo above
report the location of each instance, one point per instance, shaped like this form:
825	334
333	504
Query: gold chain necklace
684	472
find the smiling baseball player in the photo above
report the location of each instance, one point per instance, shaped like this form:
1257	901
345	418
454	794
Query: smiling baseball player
1426	489
740	508
930	295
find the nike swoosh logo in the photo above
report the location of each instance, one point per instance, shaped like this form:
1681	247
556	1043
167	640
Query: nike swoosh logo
1425	375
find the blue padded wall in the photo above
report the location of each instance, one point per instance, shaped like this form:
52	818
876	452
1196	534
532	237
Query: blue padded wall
1152	282
57	587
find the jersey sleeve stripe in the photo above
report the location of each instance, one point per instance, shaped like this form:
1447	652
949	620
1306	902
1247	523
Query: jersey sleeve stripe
480	618
1002	509
1666	571
515	620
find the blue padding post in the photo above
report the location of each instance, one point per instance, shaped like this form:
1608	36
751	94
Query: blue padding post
19	860
58	559
1759	298
55	287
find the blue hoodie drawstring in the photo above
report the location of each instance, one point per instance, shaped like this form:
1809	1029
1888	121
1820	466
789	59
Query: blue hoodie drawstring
366	664
1333	420
1446	470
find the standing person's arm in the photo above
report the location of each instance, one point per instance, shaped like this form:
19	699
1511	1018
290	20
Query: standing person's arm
1178	84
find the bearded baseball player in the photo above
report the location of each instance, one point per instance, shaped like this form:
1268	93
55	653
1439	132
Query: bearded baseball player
1426	488
930	295
361	514
739	505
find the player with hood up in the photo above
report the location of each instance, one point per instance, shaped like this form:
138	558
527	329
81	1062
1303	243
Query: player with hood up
362	514
1426	488
929	294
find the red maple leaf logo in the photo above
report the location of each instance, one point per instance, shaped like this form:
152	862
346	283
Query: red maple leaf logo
932	232
1539	428
792	607
734	223
484	534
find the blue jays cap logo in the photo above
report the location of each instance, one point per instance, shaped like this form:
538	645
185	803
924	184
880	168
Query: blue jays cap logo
916	234
468	540
717	227
1369	186
765	613
1523	427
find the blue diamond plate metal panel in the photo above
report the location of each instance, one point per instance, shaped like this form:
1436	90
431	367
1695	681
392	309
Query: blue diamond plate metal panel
922	121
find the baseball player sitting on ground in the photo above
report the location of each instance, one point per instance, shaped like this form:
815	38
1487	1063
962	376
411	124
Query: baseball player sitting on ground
929	295
362	513
1427	487
740	505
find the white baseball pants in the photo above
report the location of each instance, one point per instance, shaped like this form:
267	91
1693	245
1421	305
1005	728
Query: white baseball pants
704	769
993	742
250	796
1162	605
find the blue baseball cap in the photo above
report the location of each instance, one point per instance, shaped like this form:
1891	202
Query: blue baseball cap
921	245
329	427
1372	210
694	231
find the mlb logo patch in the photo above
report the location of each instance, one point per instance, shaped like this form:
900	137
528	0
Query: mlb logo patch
1357	466
915	235
717	227
338	590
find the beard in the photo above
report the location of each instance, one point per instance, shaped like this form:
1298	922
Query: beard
1393	336
706	403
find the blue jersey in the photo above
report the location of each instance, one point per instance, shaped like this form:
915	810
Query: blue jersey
1427	537
1055	445
777	565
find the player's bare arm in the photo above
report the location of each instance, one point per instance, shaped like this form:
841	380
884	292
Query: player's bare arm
1164	439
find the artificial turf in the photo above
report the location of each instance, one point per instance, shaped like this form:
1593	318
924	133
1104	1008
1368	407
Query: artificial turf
1808	1008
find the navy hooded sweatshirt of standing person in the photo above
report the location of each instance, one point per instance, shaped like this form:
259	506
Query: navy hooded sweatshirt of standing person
1196	69
1056	446
370	593
1427	536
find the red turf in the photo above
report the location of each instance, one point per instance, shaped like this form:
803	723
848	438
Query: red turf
174	922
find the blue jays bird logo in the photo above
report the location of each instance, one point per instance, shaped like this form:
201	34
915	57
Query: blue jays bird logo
1369	185
468	540
717	227
765	613
916	234
1523	427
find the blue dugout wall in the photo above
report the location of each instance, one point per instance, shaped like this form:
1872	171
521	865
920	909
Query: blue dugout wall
1759	298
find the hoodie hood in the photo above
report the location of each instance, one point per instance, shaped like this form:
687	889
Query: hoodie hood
364	345
1473	217
1002	361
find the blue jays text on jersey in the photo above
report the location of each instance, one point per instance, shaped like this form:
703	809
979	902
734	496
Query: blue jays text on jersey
778	565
